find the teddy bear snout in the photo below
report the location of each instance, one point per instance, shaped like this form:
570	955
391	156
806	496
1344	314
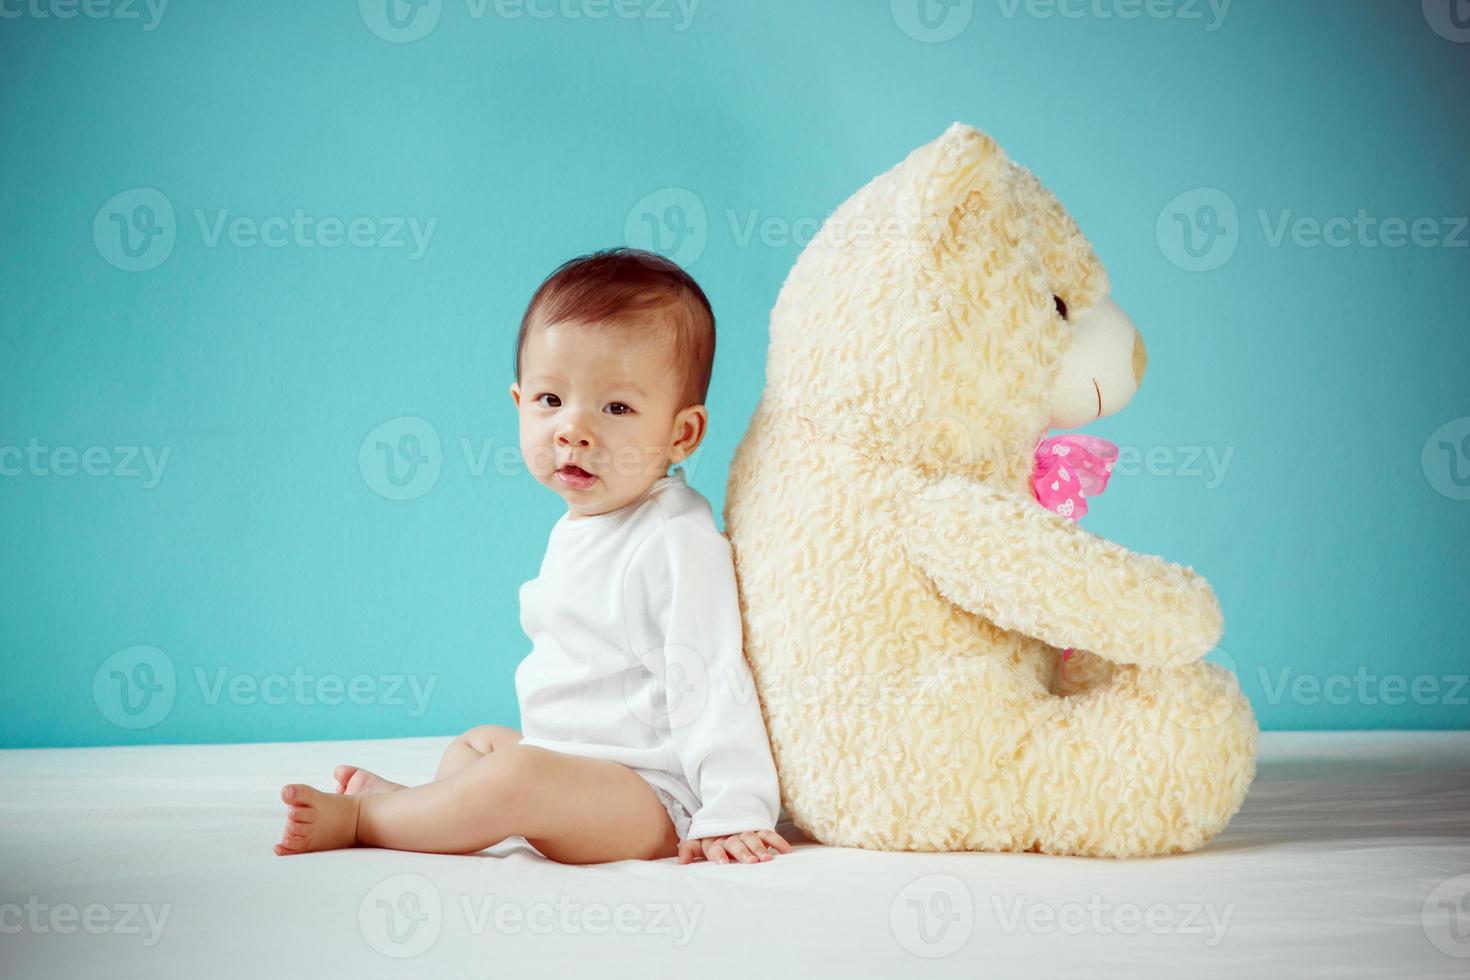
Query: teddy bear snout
1140	358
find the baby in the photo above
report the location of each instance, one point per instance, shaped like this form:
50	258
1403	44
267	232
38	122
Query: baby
643	735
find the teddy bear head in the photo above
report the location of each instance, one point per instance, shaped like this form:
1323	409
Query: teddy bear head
948	314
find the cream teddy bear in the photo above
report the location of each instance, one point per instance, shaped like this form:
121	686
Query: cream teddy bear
905	595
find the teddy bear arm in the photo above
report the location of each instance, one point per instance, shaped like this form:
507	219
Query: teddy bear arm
1029	571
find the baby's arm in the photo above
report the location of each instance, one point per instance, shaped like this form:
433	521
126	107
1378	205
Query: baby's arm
687	582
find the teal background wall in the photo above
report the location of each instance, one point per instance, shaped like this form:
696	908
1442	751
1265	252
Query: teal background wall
328	539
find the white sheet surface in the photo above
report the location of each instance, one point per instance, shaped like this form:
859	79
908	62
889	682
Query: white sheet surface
1343	863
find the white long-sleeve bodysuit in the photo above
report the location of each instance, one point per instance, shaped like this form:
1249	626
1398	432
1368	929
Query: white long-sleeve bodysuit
636	657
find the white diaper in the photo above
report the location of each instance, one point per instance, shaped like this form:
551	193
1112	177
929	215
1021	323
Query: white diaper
680	816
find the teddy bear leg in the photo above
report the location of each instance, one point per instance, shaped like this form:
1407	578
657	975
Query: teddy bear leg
1156	761
1079	673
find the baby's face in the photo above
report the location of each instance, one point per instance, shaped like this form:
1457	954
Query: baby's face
599	418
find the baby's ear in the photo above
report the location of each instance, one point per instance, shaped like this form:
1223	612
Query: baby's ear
691	425
515	393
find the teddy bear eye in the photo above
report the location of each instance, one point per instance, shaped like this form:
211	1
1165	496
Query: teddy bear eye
1061	306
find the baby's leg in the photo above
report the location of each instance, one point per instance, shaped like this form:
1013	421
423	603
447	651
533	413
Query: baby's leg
473	745
467	748
573	809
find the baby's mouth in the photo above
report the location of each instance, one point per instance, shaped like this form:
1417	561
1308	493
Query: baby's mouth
575	477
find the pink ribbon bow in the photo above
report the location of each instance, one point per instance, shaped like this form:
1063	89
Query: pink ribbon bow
1069	469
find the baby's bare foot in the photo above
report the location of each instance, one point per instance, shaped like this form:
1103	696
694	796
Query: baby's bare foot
317	821
359	782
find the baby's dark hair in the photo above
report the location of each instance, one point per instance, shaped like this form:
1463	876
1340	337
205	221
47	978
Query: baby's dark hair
628	287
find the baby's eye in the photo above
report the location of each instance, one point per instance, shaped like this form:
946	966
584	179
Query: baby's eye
618	408
547	394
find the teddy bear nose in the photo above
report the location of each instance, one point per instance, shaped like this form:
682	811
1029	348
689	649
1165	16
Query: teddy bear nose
1140	358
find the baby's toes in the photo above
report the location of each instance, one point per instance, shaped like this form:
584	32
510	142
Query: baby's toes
316	821
293	838
298	794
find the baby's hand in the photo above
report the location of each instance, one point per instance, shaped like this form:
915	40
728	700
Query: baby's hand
749	847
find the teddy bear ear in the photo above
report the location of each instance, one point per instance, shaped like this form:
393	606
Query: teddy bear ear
963	167
958	132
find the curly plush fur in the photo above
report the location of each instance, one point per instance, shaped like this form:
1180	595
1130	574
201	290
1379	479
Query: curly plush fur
905	597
